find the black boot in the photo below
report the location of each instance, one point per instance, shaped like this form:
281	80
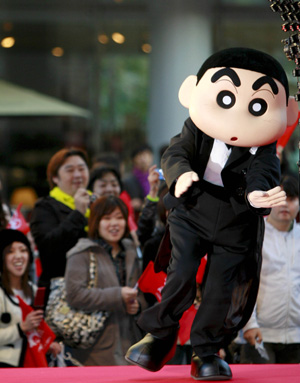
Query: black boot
210	367
152	353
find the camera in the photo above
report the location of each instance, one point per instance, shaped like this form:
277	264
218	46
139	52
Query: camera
93	198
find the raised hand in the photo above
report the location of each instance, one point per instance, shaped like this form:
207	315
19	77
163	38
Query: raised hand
129	296
184	182
82	200
128	293
153	179
132	307
267	199
32	320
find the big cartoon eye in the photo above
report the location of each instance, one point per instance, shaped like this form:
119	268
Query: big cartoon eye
226	99
258	107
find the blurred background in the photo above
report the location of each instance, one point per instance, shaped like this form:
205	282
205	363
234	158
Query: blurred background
104	74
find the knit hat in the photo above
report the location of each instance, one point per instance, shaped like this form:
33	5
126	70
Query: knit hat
7	237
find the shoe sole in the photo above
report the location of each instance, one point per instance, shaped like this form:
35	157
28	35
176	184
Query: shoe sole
168	357
213	377
139	365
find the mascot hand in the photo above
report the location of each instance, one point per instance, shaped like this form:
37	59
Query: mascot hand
267	199
184	182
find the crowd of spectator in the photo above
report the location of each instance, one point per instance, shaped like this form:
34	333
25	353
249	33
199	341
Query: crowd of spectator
120	217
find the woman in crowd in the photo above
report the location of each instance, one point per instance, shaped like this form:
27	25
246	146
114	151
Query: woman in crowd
118	271
105	181
60	219
15	260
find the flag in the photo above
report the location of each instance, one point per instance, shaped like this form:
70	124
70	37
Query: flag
201	270
151	282
38	340
38	267
283	140
185	324
18	222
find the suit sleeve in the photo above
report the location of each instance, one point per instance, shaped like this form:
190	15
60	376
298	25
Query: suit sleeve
179	156
264	173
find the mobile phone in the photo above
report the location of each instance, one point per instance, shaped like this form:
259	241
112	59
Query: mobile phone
39	299
160	173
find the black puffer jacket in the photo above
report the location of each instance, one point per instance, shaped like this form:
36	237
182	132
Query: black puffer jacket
56	229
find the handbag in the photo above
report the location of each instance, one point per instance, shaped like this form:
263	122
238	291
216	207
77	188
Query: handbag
76	328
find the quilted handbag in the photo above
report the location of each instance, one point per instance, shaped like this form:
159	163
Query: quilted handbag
76	328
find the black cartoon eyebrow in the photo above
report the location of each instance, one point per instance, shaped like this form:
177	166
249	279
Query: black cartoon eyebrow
265	80
227	72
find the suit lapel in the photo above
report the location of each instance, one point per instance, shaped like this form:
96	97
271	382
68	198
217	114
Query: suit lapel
205	150
237	153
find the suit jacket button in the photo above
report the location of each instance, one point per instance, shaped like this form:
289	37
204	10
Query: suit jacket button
240	191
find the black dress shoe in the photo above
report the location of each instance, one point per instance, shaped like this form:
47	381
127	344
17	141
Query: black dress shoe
210	368
152	353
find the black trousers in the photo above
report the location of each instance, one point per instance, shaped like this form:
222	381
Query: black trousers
208	225
5	365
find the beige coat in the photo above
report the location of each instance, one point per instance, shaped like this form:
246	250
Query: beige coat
120	330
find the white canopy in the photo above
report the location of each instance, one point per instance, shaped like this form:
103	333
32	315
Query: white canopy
16	101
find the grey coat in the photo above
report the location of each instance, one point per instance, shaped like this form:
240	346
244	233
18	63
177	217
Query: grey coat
120	330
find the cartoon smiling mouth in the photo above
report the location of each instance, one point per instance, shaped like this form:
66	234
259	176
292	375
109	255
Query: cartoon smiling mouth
233	139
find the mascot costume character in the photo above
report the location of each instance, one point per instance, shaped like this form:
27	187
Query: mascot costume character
223	176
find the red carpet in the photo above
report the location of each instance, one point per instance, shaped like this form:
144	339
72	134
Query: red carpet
272	373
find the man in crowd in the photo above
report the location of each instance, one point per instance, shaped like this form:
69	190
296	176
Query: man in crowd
276	317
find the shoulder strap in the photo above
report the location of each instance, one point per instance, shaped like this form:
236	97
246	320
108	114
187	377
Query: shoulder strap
92	270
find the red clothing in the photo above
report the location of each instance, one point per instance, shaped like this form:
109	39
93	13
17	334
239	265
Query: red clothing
127	200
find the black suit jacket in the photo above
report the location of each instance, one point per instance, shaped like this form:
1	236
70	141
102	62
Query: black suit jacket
243	173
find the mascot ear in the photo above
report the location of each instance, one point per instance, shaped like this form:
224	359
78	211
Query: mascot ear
292	111
186	90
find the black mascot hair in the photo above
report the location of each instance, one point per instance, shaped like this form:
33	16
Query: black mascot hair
246	58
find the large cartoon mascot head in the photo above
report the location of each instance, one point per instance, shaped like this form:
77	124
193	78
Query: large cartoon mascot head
241	97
